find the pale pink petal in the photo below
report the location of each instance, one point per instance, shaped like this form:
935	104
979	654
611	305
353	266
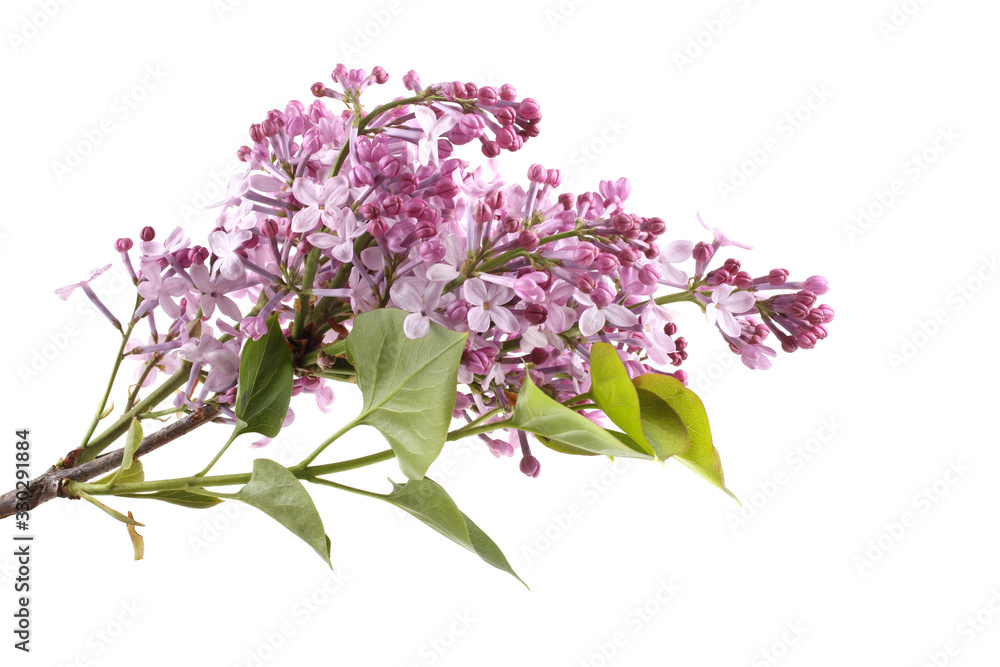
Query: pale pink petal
619	316
740	302
475	292
479	319
323	240
504	319
591	321
416	325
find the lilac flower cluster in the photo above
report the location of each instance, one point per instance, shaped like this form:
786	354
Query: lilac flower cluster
341	212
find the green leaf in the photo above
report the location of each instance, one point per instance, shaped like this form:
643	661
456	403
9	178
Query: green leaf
702	457
133	438
662	426
264	389
133	474
278	493
408	385
177	497
538	413
427	501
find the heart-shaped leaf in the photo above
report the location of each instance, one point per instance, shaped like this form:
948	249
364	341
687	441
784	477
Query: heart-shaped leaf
408	384
278	493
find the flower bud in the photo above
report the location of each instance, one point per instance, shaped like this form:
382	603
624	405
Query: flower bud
606	263
536	313
147	234
508	93
528	240
123	244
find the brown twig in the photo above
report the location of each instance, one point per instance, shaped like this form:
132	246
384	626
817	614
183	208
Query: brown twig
49	485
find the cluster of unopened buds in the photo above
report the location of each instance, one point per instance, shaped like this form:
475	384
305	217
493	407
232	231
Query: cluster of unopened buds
345	210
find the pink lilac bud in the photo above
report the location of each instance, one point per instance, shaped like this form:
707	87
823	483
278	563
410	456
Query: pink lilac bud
510	225
304	247
530	466
446	189
390	166
491	149
123	244
536	313
392	205
606	263
628	257
243	153
817	285
256	133
360	176
424	230
742	280
199	254
481	212
368	211
655	226
432	251
457	311
537	173
585	283
777	277
269	229
621	222
806	340
488	96
318	89
702	252
602	295
381	76
377	228
147	234
670	329
254	327
652	250
649	275
554	178
529	109
528	240
506	137
508	93
806	297
585	253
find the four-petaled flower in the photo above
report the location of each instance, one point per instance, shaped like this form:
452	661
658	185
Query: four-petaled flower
725	306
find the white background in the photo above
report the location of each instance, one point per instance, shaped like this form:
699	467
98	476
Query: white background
842	547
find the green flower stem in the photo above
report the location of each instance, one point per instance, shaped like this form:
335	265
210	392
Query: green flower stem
676	298
218	456
161	413
308	275
326	443
476	430
111	382
90	451
343	487
195	483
